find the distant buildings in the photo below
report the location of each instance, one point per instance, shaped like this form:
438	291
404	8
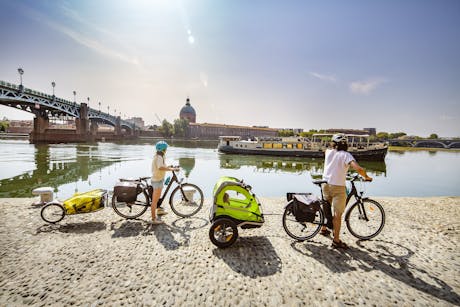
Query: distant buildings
213	131
138	121
188	112
20	126
370	131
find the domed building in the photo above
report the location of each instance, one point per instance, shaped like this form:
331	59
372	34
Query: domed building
188	112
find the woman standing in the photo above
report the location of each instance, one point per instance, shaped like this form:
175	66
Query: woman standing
159	169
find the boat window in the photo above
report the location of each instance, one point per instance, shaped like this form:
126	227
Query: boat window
228	143
268	145
289	146
278	145
299	146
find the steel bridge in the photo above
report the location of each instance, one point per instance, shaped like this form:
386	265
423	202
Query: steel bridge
427	143
45	106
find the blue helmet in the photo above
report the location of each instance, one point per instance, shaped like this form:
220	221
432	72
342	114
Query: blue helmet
161	146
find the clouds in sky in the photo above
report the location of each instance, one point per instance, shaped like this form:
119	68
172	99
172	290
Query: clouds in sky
323	77
81	38
366	87
362	87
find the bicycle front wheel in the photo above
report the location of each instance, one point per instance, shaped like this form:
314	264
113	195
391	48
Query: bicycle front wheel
131	210
301	231
186	200
365	219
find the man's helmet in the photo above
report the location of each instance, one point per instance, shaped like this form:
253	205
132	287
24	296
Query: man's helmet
161	146
339	138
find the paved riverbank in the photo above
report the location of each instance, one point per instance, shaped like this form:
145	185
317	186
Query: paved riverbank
99	258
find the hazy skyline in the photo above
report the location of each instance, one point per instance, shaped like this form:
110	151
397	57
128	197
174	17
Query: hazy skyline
392	65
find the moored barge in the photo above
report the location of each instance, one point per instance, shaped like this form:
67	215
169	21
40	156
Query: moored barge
358	145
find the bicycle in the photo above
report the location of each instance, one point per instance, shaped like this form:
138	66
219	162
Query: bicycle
185	200
365	218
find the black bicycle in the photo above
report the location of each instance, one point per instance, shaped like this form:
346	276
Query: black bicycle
185	200
365	218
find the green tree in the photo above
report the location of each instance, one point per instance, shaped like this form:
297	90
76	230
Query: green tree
4	126
383	136
285	133
166	128
433	136
396	135
180	127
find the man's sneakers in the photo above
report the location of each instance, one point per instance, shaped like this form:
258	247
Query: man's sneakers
156	222
161	211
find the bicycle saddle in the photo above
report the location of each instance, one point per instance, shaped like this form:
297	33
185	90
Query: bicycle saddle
319	182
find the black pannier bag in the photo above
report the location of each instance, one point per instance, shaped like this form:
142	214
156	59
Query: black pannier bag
304	207
126	191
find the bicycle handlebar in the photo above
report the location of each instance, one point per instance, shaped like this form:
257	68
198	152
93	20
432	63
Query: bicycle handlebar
356	176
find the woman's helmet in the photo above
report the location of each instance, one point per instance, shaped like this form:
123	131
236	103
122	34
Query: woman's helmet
161	146
339	138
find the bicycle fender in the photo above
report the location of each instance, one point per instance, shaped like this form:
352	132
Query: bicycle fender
289	202
347	209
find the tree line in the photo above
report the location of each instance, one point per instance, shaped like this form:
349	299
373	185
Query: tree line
380	136
177	129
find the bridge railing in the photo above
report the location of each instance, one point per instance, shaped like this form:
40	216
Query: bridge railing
92	112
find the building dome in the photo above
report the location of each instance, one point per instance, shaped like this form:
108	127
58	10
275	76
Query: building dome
188	112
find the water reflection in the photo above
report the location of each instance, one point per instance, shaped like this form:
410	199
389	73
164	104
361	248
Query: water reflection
290	164
56	165
187	164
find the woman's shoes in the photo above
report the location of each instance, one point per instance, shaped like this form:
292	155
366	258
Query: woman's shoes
156	222
339	244
161	211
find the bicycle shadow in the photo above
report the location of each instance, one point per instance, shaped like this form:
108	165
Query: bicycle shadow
179	233
394	264
77	228
333	259
251	256
128	228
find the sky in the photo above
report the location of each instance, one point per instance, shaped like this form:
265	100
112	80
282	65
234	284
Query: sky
391	65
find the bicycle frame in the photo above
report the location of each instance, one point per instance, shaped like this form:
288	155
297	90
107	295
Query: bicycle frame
168	187
358	196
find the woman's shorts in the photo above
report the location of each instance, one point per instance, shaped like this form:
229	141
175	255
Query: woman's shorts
157	184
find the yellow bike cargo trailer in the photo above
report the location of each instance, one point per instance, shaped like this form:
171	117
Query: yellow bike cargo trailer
91	201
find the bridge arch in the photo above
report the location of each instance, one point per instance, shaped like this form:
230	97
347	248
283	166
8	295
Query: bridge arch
432	144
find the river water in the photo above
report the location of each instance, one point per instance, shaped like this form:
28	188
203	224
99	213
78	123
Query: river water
70	168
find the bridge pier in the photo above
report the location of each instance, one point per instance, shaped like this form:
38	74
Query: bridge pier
41	124
118	126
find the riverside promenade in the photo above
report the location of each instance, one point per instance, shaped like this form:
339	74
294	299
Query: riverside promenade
100	259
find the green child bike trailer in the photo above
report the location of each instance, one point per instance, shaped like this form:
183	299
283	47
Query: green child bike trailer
234	205
86	202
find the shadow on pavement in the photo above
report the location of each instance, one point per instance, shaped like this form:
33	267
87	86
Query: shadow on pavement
79	228
251	256
128	228
385	257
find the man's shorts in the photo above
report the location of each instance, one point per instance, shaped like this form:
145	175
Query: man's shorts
336	195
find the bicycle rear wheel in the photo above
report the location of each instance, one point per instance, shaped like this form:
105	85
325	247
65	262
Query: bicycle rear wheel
186	201
131	210
365	219
52	213
301	231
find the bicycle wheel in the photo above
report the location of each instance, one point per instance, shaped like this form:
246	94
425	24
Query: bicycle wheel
223	232
301	231
131	210
52	213
186	201
365	219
